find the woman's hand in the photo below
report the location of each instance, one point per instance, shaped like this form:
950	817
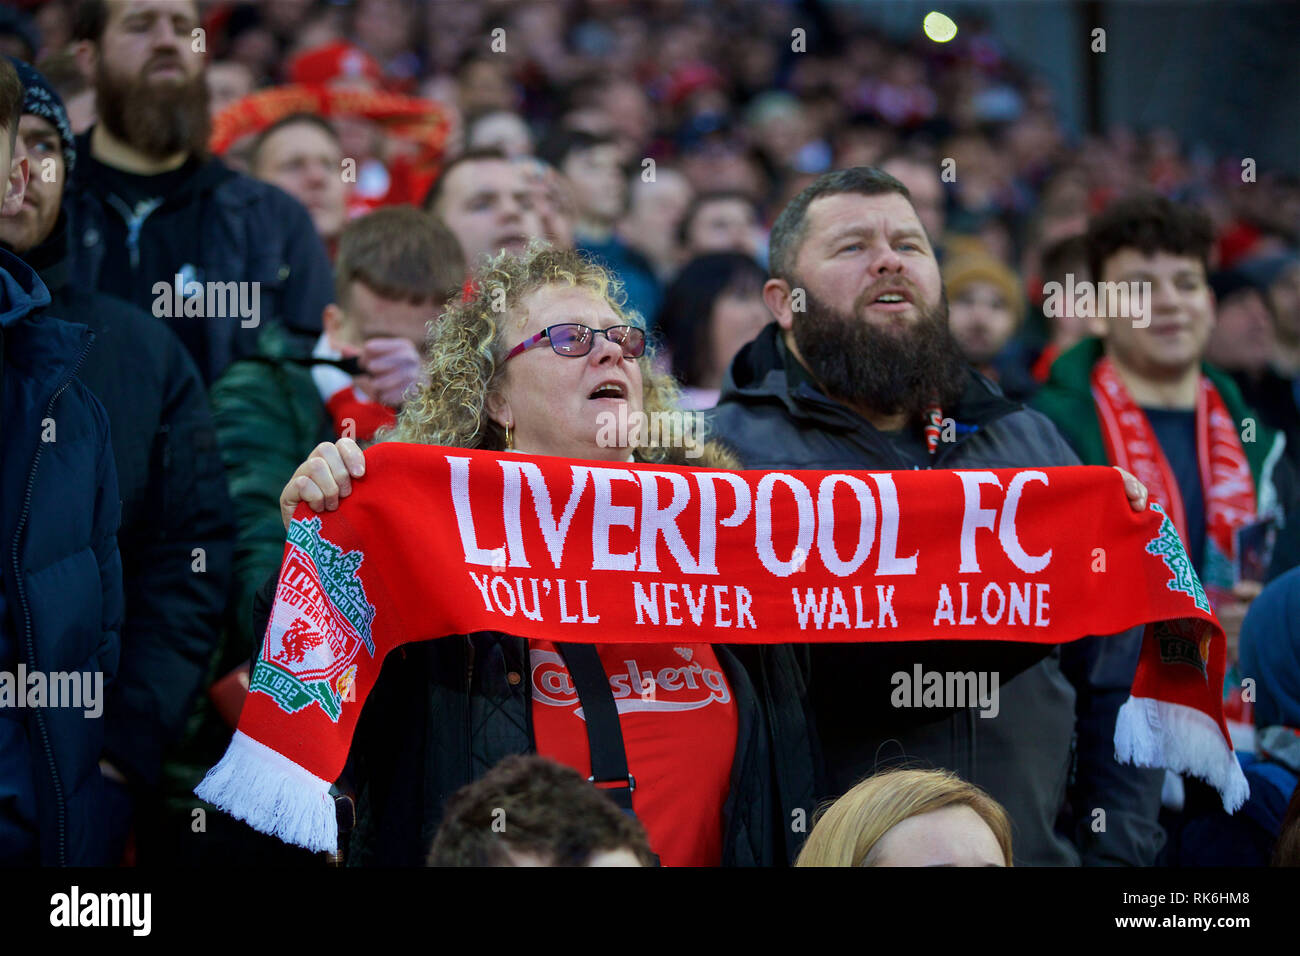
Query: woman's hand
1136	491
324	478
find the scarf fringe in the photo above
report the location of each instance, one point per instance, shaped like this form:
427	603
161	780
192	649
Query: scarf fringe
1157	733
272	794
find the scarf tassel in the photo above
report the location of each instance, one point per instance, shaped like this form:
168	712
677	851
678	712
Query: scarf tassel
1158	733
272	794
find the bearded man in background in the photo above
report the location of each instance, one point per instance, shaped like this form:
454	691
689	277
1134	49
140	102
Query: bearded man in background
859	371
149	205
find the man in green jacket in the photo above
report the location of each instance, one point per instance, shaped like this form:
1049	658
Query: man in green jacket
1142	397
396	268
394	271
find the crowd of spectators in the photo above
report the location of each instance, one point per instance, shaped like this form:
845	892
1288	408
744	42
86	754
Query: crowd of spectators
357	162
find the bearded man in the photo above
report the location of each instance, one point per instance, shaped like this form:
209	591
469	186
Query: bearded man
859	371
157	221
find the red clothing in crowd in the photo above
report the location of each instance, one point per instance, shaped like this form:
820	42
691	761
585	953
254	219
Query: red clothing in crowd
356	417
1043	366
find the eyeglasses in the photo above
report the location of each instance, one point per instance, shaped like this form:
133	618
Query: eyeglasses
573	340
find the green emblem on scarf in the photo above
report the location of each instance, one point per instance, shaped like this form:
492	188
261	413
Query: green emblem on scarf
1167	546
320	621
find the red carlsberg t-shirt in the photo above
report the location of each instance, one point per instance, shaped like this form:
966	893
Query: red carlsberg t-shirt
679	728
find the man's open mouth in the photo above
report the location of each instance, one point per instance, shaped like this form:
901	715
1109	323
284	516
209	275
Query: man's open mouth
610	390
163	67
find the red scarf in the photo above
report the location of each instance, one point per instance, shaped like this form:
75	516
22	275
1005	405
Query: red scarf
438	541
1226	481
353	414
357	417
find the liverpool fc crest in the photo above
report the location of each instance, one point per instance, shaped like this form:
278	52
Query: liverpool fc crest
319	623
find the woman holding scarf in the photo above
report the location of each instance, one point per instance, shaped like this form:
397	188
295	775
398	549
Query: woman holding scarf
715	759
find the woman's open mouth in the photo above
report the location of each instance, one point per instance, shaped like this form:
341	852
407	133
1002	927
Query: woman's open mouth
609	390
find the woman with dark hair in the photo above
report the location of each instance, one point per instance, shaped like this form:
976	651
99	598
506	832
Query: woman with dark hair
712	308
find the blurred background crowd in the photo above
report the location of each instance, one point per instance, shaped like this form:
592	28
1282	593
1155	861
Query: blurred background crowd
661	138
668	130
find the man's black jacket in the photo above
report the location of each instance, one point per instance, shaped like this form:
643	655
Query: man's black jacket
243	230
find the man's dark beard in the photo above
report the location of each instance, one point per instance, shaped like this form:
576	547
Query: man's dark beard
159	121
886	370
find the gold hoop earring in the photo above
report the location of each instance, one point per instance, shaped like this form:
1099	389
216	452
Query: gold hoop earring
510	442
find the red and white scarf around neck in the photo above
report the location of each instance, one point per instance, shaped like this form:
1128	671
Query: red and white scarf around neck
440	541
1226	481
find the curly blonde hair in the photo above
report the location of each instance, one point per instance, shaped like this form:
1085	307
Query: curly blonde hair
468	346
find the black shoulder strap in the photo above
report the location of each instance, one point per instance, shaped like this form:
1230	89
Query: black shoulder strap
604	735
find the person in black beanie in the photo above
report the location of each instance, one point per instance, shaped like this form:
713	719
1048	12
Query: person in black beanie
177	533
61	582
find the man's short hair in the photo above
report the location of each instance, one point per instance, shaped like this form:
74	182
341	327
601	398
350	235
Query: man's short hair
11	103
1150	224
528	804
703	199
789	230
582	92
437	187
293	119
557	147
688	303
400	253
1064	256
89	19
61	70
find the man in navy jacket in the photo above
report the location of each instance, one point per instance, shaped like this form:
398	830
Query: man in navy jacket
177	534
61	599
